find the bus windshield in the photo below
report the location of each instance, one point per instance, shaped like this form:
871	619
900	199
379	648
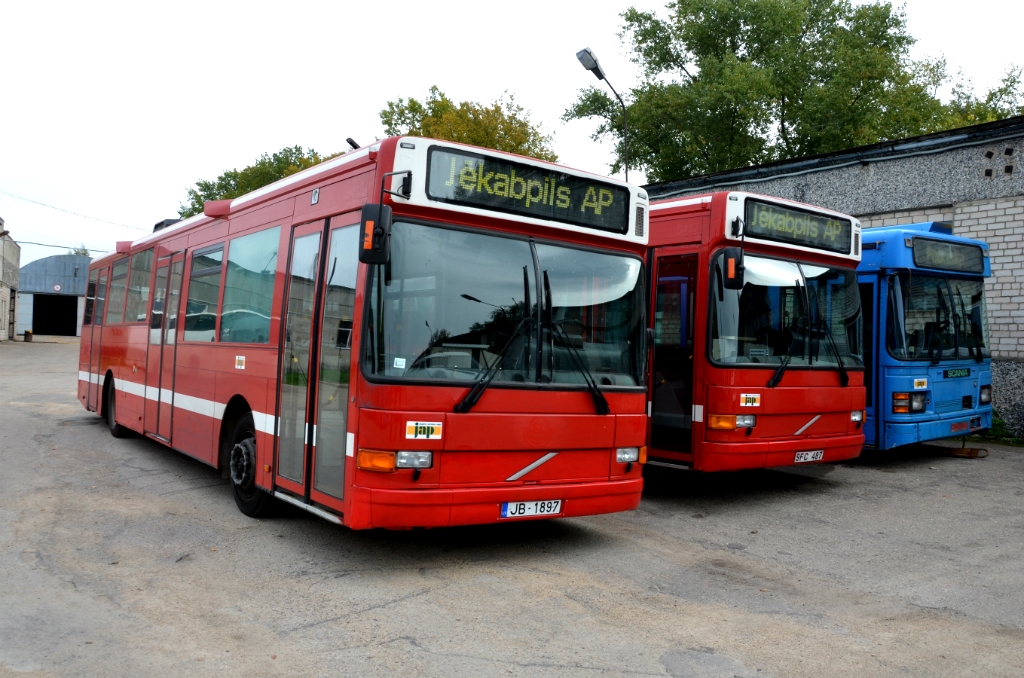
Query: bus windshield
454	303
933	317
810	313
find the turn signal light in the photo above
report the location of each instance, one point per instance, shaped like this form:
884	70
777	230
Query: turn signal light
901	403
722	422
376	460
731	422
643	455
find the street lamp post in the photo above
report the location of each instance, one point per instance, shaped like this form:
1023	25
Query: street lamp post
590	62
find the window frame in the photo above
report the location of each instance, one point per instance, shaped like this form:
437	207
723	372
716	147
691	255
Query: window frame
367	282
187	289
272	336
110	282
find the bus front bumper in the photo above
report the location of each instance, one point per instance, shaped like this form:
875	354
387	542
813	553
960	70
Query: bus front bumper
768	454
372	507
897	434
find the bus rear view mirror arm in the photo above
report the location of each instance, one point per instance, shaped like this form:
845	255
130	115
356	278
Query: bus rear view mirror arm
733	264
375	227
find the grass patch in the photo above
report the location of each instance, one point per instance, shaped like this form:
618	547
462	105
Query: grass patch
998	433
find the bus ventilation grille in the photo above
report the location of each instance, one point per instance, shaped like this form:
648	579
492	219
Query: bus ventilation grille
639	230
856	244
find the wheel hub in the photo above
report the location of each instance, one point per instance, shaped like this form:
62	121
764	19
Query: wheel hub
243	463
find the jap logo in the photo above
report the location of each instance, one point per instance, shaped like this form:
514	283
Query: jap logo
423	430
750	400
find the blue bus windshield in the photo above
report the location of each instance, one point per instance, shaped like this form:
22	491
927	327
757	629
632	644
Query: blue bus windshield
935	317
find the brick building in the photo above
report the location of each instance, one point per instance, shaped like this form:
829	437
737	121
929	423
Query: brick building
972	177
10	259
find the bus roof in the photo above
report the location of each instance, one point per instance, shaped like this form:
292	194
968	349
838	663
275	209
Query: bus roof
314	177
890	247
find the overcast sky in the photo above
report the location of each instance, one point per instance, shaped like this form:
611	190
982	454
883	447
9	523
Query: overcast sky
113	110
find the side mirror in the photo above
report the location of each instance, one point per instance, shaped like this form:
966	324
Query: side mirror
733	265
376	229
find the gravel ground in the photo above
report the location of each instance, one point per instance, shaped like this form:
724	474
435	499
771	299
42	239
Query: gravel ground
123	558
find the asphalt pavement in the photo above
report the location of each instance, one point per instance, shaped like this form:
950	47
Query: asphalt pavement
123	558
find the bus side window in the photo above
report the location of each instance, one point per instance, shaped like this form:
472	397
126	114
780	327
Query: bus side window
203	295
90	297
138	287
249	287
118	285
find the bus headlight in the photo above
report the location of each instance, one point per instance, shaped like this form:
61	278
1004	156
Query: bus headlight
625	455
857	416
985	397
745	420
917	401
414	459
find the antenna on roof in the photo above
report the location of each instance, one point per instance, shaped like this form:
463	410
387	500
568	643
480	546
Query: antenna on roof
352	143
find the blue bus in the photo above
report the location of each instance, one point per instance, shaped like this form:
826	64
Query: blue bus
927	352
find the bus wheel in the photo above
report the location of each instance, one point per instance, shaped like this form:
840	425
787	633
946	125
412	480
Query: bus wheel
116	429
250	499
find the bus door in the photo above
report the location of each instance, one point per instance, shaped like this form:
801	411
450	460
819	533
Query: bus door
160	359
870	309
316	358
98	309
675	299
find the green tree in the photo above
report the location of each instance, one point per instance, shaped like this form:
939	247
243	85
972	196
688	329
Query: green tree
1004	101
503	125
82	251
266	170
729	83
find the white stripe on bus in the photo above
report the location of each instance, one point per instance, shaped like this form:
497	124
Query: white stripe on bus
264	423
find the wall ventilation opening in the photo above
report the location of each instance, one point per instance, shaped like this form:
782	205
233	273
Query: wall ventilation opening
988	173
1008	169
1008	152
989	154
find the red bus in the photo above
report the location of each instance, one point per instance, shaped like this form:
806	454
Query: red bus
417	333
757	358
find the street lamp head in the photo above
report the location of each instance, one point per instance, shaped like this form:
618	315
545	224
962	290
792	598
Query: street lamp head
3	233
590	62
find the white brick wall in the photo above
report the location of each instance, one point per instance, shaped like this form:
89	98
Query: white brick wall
940	213
1000	223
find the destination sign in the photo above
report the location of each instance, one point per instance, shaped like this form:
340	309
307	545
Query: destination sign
797	227
950	256
475	180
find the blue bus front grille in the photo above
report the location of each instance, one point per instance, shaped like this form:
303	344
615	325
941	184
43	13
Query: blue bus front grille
948	405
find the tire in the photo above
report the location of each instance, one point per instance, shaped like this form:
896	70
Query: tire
250	499
116	429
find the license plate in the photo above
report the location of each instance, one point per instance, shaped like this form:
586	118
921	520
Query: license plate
813	455
518	509
959	426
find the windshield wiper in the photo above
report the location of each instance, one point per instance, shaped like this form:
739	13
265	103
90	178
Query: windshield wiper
777	377
844	377
600	402
972	351
473	396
